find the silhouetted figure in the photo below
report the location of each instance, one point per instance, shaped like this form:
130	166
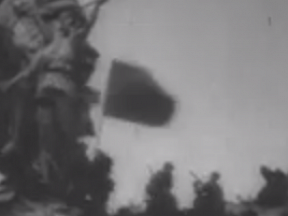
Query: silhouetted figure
160	199
209	197
90	182
274	193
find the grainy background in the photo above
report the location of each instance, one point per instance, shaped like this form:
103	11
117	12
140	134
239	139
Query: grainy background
225	62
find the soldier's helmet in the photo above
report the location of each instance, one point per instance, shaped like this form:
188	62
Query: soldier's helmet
52	8
168	167
57	4
265	170
215	176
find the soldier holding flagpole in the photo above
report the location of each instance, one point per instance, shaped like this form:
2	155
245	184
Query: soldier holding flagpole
50	73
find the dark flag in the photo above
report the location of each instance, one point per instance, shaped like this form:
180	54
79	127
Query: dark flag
133	95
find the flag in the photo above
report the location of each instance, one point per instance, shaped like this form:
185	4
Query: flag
133	95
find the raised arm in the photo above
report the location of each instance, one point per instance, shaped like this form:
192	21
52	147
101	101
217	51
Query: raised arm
26	72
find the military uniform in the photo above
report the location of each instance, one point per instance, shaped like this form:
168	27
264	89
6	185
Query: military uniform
53	87
209	200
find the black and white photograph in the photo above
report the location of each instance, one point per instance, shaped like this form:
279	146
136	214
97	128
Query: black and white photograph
143	107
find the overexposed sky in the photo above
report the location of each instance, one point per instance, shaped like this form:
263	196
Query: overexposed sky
226	67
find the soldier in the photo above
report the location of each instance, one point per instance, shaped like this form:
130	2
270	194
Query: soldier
48	33
217	196
43	44
17	16
209	197
274	193
56	84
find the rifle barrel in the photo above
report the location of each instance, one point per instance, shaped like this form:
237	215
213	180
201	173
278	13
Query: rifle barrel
194	175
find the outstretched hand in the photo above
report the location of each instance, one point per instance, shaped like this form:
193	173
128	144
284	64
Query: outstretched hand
5	85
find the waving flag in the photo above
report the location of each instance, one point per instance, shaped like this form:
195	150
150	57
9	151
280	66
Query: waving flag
133	95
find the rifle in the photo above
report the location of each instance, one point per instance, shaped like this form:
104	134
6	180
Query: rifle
93	18
196	177
5	85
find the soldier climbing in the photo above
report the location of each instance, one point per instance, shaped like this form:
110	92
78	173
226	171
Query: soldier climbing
48	90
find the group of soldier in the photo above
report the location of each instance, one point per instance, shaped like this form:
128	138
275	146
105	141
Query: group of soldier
210	199
45	64
275	191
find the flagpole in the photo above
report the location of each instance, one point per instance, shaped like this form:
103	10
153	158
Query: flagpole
101	114
92	19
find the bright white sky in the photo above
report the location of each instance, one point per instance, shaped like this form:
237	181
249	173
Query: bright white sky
226	67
